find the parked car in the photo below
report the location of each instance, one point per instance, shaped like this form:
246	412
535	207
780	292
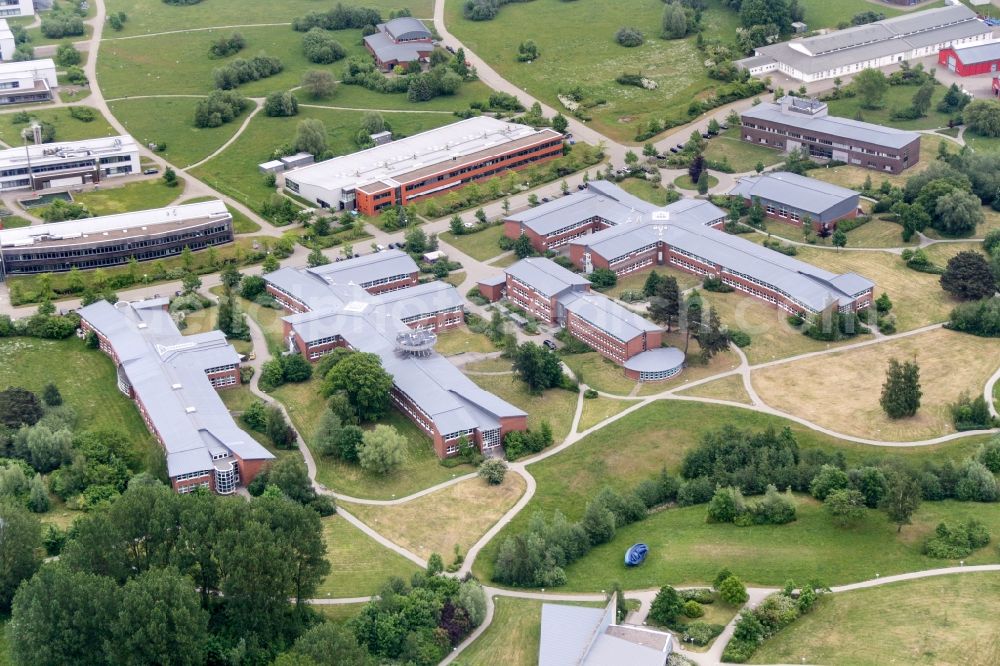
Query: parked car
706	135
379	248
151	172
550	344
450	49
674	149
581	186
723	127
680	146
545	199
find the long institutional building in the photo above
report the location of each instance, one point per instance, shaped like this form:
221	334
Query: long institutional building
173	380
794	123
879	44
425	164
375	304
605	227
22	82
67	163
788	197
113	240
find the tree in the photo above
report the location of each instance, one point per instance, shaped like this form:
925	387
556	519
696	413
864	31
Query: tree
968	276
382	450
278	429
316	258
523	247
982	116
38	497
696	167
328	433
957	213
319	83
20	543
329	644
281	104
598	522
19	407
434	565
493	471
51	395
603	278
321	47
365	382
373	122
71	631
290	475
845	506
902	498
703	183
190	283
871	86
665	304
652	283
757	214
160	621
310	136
538	367
829	479
921	102
630	37
67	55
764	12
666	607
839	239
733	592
416	240
901	390
674	24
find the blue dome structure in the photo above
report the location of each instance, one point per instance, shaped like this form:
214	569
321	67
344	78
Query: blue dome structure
635	555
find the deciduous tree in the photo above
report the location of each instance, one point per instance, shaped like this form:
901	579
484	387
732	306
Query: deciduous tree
901	391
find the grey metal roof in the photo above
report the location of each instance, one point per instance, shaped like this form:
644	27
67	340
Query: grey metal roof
806	194
494	280
607	315
367	268
167	374
406	27
613	650
832	125
600	199
388	50
980	53
546	276
656	360
579	636
753	61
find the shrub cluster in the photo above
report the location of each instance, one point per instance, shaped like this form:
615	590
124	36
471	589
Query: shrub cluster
980	318
728	506
62	24
518	443
219	108
242	71
227	46
768	618
321	47
419	86
289	368
484	10
338	18
953	542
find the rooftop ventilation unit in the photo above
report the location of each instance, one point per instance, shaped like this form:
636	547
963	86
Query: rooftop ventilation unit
190	410
176	386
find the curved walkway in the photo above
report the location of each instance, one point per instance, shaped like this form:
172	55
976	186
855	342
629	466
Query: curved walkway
258	105
177	32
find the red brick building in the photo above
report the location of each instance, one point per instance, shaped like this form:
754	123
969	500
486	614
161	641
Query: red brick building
400	42
790	198
173	380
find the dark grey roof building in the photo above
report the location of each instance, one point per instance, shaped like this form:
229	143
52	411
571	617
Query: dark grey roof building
578	636
398	41
798	196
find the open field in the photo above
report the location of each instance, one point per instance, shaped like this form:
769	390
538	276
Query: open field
741	155
897	98
152	16
67	127
420	467
877	234
946	621
170	120
505	261
917	298
728	388
556	406
460	340
684	549
490	365
824	14
647	190
336	613
636	446
235	173
982	144
481	245
462	513
854	176
598	409
358	564
950	364
599	373
512	638
139	195
32	363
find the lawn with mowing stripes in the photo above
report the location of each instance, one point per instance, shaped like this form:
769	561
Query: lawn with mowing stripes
359	565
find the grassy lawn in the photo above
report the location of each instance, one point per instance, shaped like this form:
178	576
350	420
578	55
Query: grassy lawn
728	388
481	245
684	182
420	468
461	340
150	16
645	189
338	613
599	373
854	176
878	233
358	564
556	406
897	98
636	281
490	365
356	97
950	364
684	549
505	261
139	195
13	222
694	369
741	155
269	321
940	253
462	514
598	409
983	144
946	620
917	297
235	173
67	127
513	636
823	14
592	58
635	447
32	363
170	120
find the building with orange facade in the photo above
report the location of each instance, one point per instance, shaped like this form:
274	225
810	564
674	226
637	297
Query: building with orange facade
433	162
173	380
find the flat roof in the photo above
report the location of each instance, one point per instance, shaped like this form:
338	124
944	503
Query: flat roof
663	359
387	50
979	53
391	161
844	128
25	66
806	194
60	151
121	225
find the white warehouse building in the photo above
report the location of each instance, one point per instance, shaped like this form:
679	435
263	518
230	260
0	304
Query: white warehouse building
27	81
7	43
67	164
17	8
878	44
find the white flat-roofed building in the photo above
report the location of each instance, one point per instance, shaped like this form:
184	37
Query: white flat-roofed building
7	42
114	239
27	81
17	8
878	44
424	164
68	163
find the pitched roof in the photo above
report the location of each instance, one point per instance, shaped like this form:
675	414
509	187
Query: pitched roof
406	27
546	276
806	194
607	315
367	268
979	53
579	636
387	50
832	125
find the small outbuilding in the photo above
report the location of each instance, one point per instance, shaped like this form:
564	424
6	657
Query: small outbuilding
971	60
274	166
297	160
